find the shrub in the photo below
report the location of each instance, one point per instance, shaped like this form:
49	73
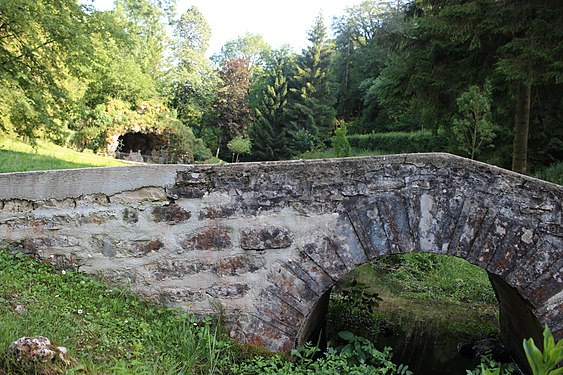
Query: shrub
398	142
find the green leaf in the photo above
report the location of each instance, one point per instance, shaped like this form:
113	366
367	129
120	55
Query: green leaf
346	335
534	355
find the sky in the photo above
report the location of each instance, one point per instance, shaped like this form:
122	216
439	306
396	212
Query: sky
278	21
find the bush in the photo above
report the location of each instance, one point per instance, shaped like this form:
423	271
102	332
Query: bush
398	142
553	173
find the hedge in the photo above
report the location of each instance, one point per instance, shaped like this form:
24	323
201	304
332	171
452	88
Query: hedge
398	142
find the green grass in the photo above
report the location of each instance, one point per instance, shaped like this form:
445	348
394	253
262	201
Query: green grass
447	293
108	331
17	156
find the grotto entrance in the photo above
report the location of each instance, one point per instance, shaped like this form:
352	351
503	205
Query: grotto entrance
146	147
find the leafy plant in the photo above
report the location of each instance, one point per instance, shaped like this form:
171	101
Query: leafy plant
340	142
546	362
489	366
238	146
357	295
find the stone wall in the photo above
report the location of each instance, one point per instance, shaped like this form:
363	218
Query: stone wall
266	241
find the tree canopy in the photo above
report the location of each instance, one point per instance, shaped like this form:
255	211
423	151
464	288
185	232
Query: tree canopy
483	77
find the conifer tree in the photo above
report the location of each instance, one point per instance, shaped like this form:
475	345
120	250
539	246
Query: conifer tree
269	131
312	109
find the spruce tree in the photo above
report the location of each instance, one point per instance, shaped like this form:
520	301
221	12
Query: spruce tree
269	131
312	111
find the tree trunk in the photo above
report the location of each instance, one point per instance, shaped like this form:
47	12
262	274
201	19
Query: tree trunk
521	128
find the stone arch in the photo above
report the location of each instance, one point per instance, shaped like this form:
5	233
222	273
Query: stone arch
289	230
518	242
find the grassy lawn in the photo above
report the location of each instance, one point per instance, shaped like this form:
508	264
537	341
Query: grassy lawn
17	156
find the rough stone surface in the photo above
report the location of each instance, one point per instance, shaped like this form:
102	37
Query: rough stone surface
272	237
267	241
36	355
208	239
171	214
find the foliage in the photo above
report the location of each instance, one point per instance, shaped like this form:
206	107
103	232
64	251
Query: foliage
397	142
331	362
362	351
234	115
356	296
192	83
340	142
107	330
251	48
43	42
472	129
239	146
553	173
489	366
437	277
311	109
269	131
544	362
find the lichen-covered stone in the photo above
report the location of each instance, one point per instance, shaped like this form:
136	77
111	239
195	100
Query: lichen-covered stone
262	238
217	212
239	265
228	291
37	355
208	239
171	214
182	267
178	192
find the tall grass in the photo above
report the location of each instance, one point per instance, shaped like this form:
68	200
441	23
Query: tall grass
106	330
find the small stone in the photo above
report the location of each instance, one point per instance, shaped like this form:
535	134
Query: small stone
37	355
21	309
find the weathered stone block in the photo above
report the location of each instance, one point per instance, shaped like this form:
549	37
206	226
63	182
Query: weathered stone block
324	252
64	262
94	199
152	194
270	237
239	265
171	214
140	249
182	267
60	204
17	205
98	218
190	192
38	243
217	212
181	295
228	291
208	239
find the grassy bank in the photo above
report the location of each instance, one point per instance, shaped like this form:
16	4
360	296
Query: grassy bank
17	156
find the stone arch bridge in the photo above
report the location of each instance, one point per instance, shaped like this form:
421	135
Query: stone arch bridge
267	241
